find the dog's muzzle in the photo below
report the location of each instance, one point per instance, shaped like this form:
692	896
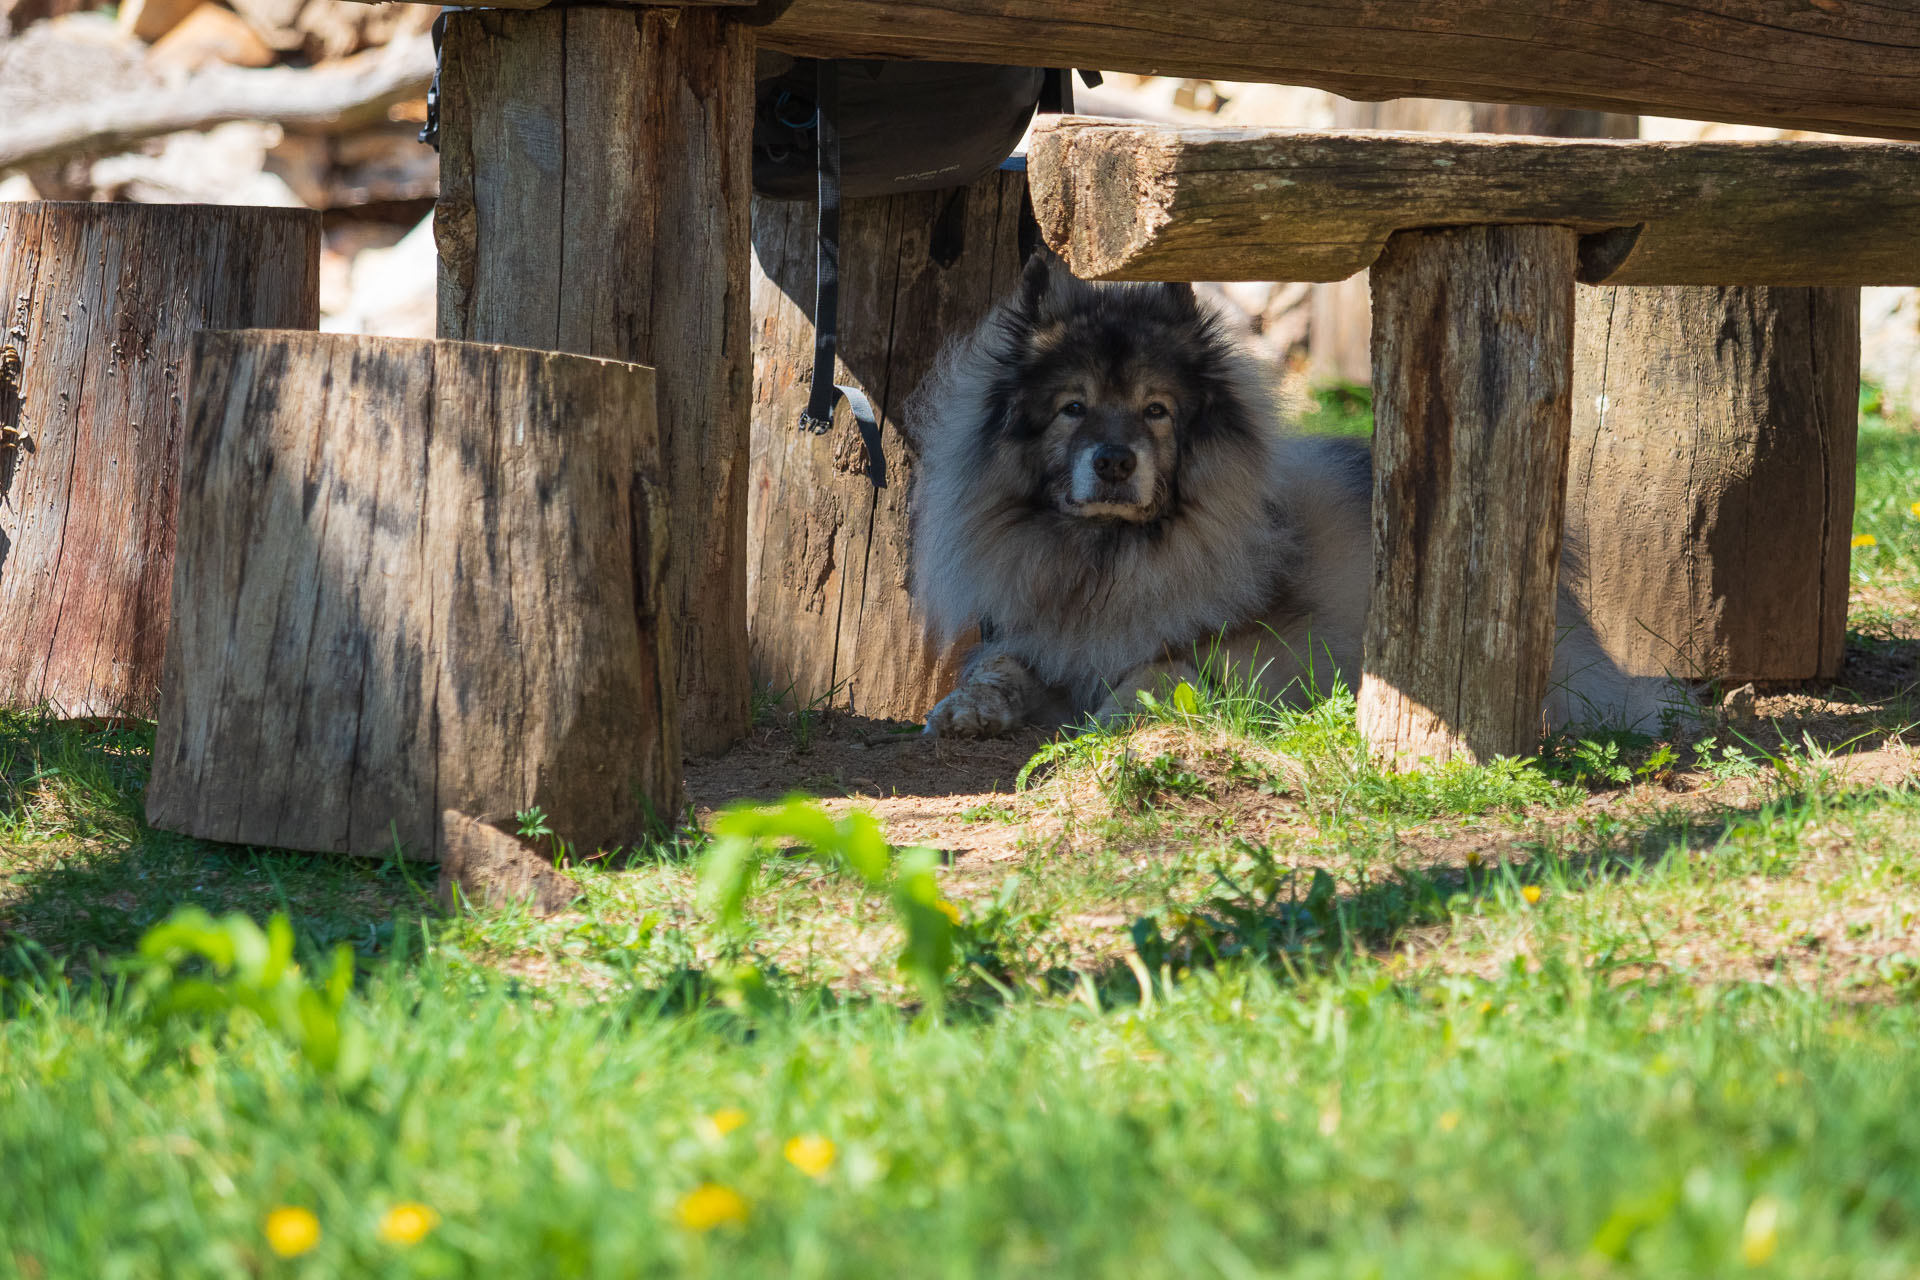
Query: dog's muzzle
1112	481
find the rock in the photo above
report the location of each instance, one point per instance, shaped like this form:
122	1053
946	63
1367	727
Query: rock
491	868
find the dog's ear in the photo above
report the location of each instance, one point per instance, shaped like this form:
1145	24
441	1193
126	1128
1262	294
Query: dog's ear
1182	299
1042	284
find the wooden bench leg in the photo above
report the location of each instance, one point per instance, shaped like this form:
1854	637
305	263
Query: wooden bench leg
1473	369
595	197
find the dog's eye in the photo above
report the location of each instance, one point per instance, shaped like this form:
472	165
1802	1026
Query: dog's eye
1156	410
1073	409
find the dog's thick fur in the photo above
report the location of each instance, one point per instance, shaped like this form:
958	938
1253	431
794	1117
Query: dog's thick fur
1105	488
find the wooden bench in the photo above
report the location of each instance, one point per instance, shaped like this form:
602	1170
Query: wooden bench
595	166
1475	244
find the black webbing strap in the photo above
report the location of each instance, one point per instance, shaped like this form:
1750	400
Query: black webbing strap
430	131
817	417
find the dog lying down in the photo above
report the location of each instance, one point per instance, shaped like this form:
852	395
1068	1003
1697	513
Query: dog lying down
1106	489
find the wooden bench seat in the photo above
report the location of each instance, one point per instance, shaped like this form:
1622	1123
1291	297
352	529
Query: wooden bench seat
1474	245
1124	201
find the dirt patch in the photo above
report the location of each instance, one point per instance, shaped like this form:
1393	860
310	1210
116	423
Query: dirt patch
952	796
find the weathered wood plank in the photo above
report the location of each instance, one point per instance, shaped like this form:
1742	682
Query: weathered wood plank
1472	378
101	303
595	196
1840	66
1123	201
414	577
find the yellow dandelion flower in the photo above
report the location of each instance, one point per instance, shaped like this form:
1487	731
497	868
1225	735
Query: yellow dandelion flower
291	1231
726	1120
711	1205
1531	893
1865	540
1915	508
1449	1121
1760	1234
408	1223
811	1154
948	909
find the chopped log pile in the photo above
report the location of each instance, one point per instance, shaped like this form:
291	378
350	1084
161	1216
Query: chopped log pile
290	103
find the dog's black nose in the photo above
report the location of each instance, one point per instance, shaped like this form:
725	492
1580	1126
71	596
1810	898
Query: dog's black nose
1112	463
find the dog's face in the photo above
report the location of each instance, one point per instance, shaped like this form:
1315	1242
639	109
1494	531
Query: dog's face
1109	389
1108	447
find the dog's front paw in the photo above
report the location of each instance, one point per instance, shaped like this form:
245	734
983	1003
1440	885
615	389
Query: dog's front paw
993	701
972	711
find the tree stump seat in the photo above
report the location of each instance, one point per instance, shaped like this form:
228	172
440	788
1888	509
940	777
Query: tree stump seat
1475	244
416	579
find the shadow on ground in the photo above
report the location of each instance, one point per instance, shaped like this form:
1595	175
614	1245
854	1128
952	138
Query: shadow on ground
82	875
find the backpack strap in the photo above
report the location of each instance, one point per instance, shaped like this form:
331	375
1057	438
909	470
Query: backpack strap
817	417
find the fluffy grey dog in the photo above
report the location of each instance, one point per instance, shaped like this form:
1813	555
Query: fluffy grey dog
1106	489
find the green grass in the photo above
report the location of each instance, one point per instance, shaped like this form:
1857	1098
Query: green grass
1379	1064
1537	1123
1343	409
1226	1001
1886	569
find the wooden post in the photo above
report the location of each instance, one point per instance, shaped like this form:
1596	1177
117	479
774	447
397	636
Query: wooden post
1472	365
829	553
1711	494
100	300
595	192
416	577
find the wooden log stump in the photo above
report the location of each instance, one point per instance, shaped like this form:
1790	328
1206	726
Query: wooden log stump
1711	487
415	577
1472	366
831	616
100	300
595	191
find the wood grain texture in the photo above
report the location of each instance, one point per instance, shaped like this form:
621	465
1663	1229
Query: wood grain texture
1125	201
1472	376
595	197
1341	341
1710	492
831	615
101	303
1841	66
416	576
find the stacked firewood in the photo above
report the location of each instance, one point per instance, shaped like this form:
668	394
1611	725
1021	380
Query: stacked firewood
315	103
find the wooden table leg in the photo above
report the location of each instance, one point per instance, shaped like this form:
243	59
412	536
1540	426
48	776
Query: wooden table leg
595	197
1472	368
